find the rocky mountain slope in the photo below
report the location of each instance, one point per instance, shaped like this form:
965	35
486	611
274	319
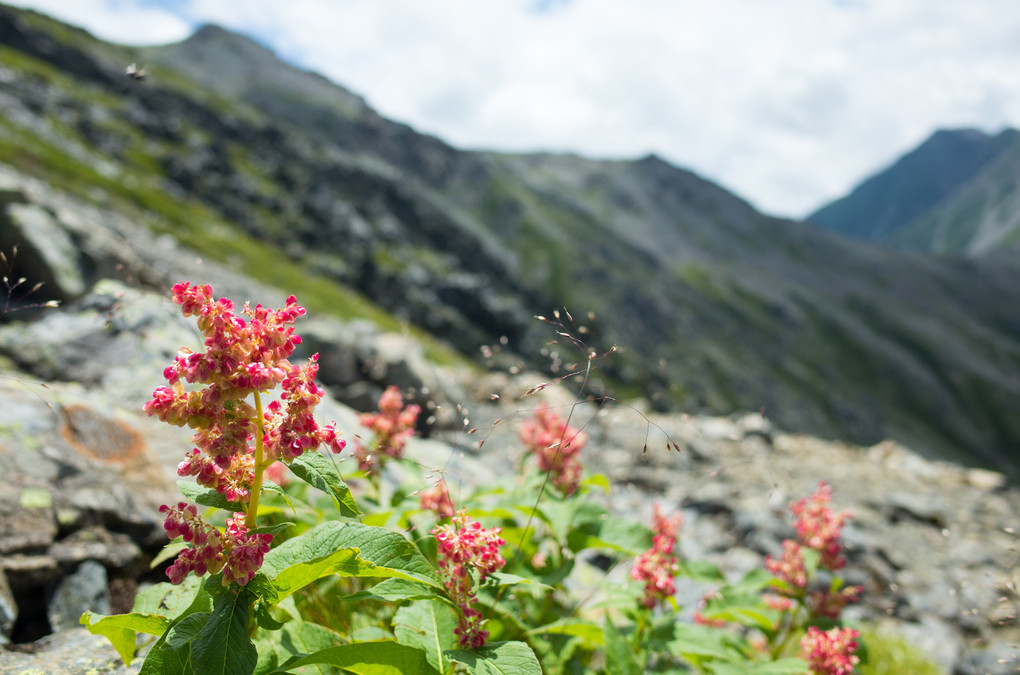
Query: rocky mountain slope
956	193
933	544
227	152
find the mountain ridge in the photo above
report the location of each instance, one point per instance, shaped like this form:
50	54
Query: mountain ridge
713	306
953	194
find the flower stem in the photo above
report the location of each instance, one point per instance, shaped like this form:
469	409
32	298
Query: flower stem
256	484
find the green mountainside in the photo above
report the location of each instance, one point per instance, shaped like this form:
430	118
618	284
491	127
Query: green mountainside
714	307
956	193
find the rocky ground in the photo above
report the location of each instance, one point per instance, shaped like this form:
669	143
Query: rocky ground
84	471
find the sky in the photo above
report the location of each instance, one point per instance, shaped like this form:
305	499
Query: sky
787	103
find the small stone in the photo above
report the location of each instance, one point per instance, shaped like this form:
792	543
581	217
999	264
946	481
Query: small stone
8	607
85	590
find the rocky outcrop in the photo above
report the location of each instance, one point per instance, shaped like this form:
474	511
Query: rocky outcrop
932	543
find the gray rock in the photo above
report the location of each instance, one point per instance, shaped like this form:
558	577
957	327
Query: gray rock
8	607
87	589
70	652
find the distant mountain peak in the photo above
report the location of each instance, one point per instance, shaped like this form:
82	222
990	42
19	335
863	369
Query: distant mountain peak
922	180
239	66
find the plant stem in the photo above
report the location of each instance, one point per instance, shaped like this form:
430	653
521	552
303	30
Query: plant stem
256	484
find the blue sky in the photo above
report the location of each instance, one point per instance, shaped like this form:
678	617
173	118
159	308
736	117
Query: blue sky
788	103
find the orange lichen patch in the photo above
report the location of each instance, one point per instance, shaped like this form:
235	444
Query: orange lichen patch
99	437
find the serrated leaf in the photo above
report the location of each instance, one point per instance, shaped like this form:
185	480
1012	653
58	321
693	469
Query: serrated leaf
598	480
120	629
626	536
344	562
271	529
264	617
701	570
366	658
396	589
169	551
321	473
498	658
304	637
185	630
507	579
390	553
697	640
428	626
223	647
161	661
589	632
207	496
620	655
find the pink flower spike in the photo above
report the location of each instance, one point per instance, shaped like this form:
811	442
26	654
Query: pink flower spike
830	652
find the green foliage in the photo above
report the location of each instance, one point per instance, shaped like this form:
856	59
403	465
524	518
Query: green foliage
890	654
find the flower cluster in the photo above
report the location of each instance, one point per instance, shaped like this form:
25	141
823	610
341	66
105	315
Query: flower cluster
557	446
237	440
392	426
437	499
236	552
465	545
818	528
657	567
830	652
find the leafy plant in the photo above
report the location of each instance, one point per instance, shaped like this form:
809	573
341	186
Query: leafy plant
284	570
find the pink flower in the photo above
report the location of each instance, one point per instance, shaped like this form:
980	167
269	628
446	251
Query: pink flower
465	545
829	605
790	567
437	499
393	425
236	552
243	357
830	652
557	446
657	567
819	528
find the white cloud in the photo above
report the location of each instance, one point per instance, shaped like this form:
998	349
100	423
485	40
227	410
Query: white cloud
125	21
786	103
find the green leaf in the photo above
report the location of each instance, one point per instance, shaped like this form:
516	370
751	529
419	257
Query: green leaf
344	562
589	632
207	496
697	640
780	667
304	637
185	630
507	579
321	473
161	661
701	570
223	647
427	626
620	655
626	536
120	629
264	617
271	529
167	599
366	658
598	480
381	552
395	589
169	551
498	658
